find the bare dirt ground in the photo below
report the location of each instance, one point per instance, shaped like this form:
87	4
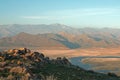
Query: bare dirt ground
81	52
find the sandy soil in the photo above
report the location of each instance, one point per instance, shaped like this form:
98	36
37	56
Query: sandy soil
81	52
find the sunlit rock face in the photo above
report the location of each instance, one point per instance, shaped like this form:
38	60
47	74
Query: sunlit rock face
21	63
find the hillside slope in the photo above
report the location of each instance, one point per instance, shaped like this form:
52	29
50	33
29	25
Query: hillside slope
29	40
22	64
87	40
57	36
11	30
61	40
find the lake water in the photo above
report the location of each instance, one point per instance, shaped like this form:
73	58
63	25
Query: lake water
103	64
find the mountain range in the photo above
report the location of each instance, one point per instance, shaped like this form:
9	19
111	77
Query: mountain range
57	36
10	30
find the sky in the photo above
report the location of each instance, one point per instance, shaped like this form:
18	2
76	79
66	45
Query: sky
78	13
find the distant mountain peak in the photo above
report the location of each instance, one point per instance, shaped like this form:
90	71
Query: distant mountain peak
61	25
57	24
22	34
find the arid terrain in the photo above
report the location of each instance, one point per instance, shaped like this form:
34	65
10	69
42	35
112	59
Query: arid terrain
58	40
98	64
24	64
81	52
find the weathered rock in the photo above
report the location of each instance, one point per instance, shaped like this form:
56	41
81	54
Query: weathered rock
20	62
10	77
18	69
3	64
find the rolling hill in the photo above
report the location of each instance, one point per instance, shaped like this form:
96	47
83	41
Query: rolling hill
29	40
11	30
57	36
61	40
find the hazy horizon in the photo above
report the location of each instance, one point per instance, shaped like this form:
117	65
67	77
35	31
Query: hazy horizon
72	26
78	13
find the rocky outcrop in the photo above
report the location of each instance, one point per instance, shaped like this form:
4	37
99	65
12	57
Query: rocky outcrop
20	64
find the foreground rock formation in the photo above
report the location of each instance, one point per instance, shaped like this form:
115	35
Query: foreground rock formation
23	64
19	63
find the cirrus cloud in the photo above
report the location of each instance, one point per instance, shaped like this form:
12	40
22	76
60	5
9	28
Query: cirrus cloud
75	13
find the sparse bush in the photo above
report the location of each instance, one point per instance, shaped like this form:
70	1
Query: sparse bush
112	74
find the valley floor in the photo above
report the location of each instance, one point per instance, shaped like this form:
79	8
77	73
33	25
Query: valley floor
81	52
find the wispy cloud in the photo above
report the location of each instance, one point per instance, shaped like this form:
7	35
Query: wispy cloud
45	17
87	11
75	13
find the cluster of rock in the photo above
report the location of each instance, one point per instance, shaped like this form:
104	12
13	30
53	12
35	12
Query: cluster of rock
20	64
